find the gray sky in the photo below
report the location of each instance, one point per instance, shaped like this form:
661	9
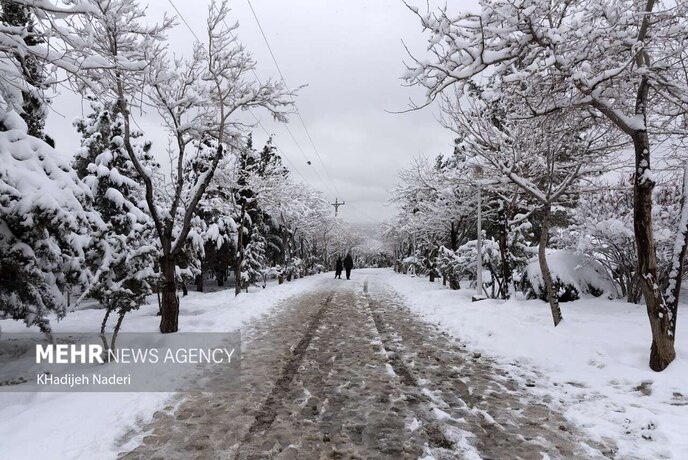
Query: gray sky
350	55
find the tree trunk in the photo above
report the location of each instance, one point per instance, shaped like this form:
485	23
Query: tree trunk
239	253
169	317
118	326
505	286
157	292
635	293
454	283
285	249
678	257
662	351
544	268
105	319
199	282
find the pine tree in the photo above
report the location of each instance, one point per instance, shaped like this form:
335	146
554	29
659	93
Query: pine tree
245	199
122	255
18	15
45	223
217	211
270	166
253	261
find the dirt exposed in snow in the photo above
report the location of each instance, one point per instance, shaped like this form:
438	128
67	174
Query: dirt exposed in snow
347	371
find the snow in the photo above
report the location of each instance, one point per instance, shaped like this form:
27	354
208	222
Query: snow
37	175
577	270
32	425
594	365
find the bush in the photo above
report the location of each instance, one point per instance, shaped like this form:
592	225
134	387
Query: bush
573	275
415	264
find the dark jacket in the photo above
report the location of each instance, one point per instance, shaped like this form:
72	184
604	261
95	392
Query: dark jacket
348	262
338	265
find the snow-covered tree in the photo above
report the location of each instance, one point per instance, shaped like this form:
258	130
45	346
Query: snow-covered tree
123	254
436	201
253	260
15	14
217	211
30	63
44	226
298	214
44	218
602	227
199	100
543	157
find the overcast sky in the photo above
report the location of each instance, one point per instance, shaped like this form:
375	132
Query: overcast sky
350	54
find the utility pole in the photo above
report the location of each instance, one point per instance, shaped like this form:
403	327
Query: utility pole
336	205
479	243
479	247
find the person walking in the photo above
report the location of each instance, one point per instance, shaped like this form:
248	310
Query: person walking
338	268
348	265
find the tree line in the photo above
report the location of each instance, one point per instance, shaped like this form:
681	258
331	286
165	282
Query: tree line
110	222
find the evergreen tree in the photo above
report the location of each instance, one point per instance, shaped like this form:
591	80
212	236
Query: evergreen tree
122	255
270	166
217	211
253	261
15	14
45	223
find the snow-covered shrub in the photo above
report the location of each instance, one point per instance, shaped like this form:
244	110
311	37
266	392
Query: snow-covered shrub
316	268
270	273
491	260
450	266
293	269
573	275
415	264
456	265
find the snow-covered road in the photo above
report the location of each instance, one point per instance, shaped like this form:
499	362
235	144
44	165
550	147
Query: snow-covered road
347	371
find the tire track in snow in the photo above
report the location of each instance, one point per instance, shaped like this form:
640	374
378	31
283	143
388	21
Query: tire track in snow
481	409
268	411
431	427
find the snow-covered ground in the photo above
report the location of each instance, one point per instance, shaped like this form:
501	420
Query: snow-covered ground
594	364
593	367
88	425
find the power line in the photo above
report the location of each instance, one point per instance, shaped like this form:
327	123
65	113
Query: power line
303	122
255	75
279	70
363	215
298	146
335	192
285	157
308	134
184	21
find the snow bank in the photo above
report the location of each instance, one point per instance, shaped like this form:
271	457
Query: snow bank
38	425
594	365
